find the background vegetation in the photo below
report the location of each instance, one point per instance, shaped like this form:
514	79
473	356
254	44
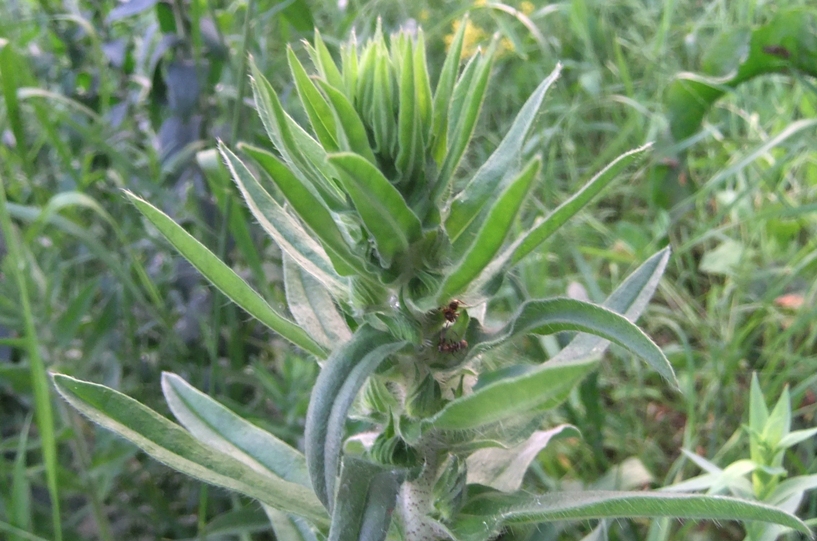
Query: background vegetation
101	95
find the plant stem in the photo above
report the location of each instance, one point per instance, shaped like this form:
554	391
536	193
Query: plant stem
415	500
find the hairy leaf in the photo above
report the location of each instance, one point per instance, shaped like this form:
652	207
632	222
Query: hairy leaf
219	428
338	383
171	444
382	208
224	278
490	512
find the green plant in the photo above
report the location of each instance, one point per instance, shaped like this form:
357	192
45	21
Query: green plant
783	45
770	436
391	264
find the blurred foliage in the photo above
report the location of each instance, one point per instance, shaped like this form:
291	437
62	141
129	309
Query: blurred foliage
100	95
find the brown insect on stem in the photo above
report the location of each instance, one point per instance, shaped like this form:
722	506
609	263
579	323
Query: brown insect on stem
451	311
451	346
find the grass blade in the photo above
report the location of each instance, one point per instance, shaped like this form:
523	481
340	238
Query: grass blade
43	412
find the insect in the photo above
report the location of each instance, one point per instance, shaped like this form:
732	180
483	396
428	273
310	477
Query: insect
451	346
451	311
777	50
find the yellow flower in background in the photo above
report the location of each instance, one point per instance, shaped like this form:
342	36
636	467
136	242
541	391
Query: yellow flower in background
473	37
423	15
526	7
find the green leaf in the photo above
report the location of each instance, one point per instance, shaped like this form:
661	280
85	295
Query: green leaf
410	144
309	208
487	183
785	43
325	63
758	412
543	230
490	512
286	231
629	299
778	424
491	235
381	207
302	153
289	528
422	87
219	428
504	469
381	88
561	314
172	445
351	131
442	95
542	389
239	521
312	307
349	66
10	72
316	107
466	102
338	383
224	278
366	499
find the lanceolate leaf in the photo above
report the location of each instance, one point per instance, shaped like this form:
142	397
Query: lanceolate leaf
348	59
221	429
561	314
171	444
542	389
384	211
494	230
224	278
465	108
352	132
325	64
299	150
289	528
286	231
442	95
382	112
629	299
504	469
550	383
317	109
488	513
540	232
341	378
487	182
366	499
310	209
410	145
312	307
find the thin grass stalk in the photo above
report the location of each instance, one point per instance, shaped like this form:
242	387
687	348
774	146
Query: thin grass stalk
39	378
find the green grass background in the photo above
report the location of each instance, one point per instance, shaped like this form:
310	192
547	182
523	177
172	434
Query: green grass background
97	98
